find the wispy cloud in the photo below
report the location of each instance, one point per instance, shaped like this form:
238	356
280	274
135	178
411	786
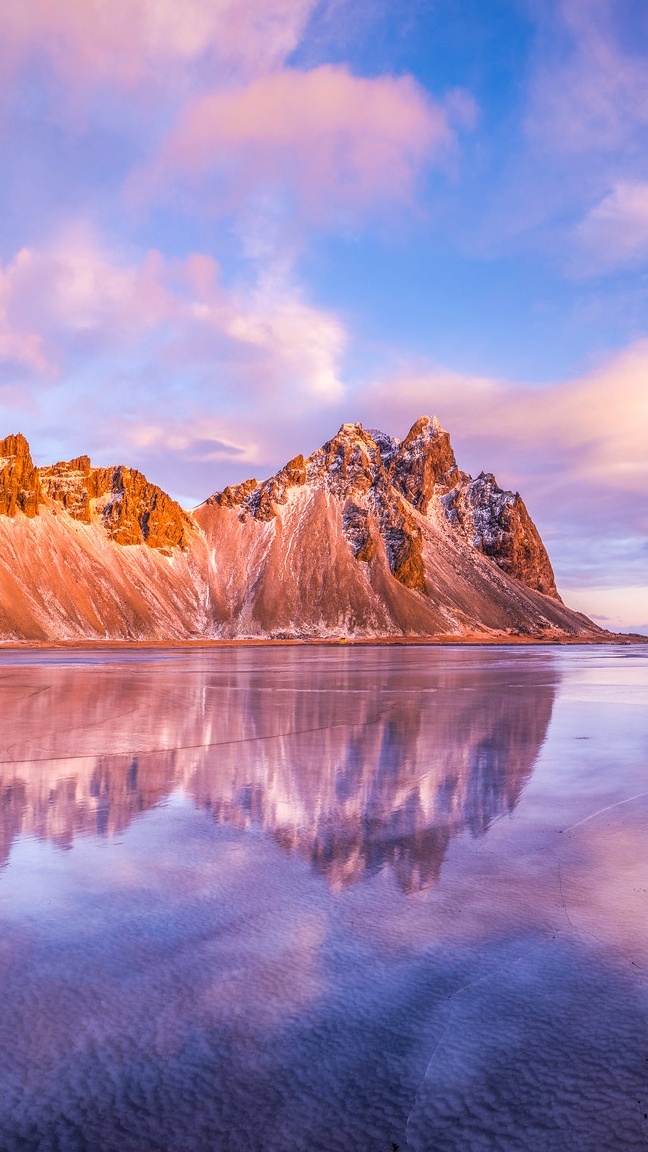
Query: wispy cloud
572	180
76	293
590	88
614	233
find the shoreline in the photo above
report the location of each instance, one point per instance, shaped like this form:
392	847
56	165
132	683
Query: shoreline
444	641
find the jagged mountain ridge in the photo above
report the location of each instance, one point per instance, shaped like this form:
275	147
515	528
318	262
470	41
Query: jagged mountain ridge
382	479
368	536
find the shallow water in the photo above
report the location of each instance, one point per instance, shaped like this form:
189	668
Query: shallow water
319	899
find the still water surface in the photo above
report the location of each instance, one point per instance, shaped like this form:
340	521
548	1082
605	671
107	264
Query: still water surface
274	900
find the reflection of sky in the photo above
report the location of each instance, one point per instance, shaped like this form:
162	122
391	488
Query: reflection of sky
185	979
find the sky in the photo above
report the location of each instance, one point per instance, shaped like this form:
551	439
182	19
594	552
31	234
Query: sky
229	226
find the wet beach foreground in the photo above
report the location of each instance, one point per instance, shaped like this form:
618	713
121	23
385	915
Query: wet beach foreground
288	899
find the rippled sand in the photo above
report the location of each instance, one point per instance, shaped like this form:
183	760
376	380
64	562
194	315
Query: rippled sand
320	899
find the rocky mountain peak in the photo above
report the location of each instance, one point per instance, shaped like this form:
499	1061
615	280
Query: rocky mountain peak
129	507
15	445
381	483
20	489
134	511
496	522
68	483
424	463
387	444
350	461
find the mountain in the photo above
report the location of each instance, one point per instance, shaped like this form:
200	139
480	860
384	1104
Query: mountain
95	553
369	536
375	536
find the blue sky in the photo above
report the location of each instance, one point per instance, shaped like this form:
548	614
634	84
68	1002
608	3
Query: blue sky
227	226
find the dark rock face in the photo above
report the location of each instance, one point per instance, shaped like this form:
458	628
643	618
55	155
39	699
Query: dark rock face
497	523
350	467
20	489
132	510
382	480
356	527
423	464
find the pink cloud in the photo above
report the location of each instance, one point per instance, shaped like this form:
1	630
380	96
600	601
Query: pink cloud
335	140
130	42
245	124
73	295
75	299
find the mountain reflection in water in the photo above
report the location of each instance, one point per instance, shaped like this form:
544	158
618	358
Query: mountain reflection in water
355	763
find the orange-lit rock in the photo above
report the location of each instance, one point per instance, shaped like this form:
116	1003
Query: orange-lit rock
132	510
20	489
368	536
423	464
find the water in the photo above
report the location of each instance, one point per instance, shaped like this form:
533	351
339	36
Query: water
324	899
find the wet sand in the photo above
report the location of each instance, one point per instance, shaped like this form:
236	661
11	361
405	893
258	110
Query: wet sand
298	898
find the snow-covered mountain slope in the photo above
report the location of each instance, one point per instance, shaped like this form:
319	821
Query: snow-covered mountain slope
369	536
372	536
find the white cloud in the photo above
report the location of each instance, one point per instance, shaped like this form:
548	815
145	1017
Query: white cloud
306	344
158	355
